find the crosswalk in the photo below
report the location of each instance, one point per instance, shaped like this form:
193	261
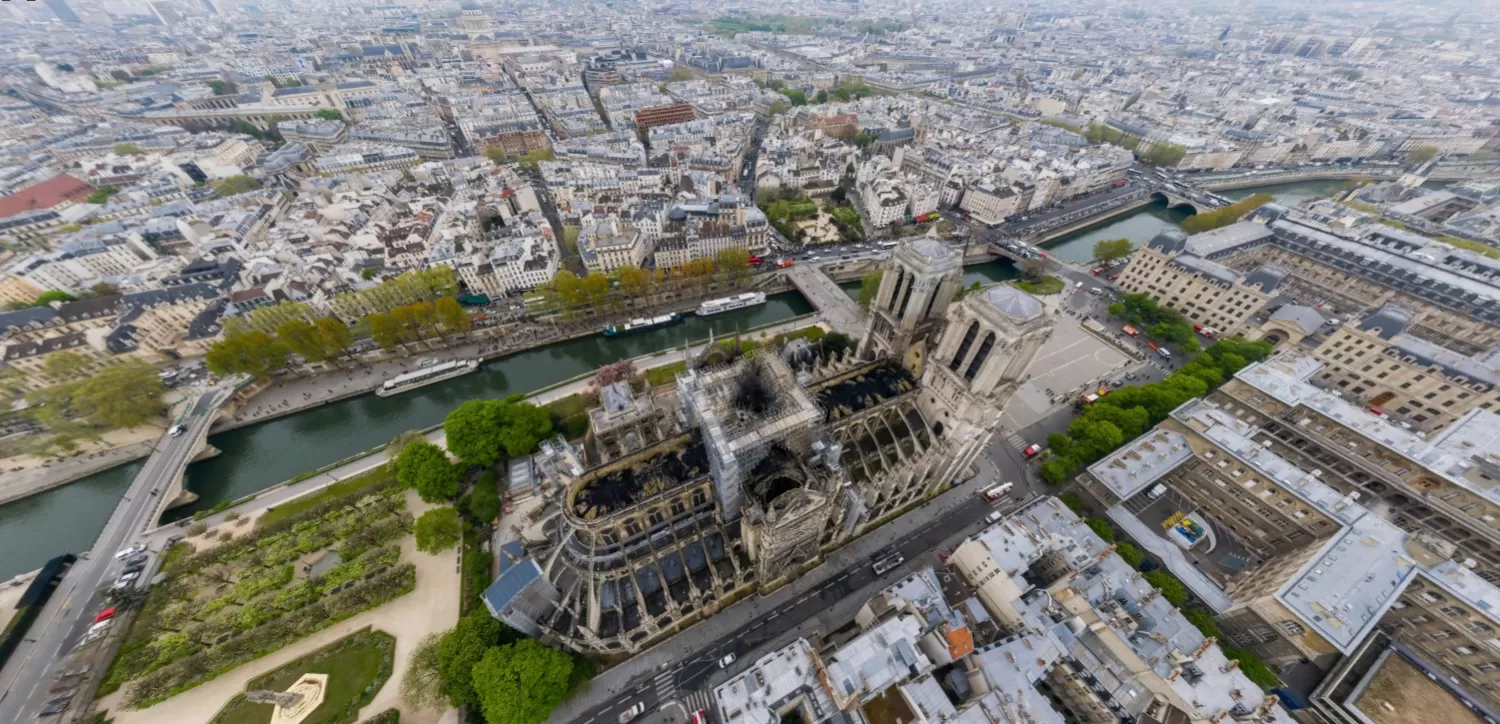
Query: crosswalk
699	701
1015	440
665	684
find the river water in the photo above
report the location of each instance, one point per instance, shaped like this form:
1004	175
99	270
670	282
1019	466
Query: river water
256	457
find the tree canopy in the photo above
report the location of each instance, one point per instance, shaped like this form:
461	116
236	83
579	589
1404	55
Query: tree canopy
521	683
1210	220
1109	250
328	114
122	395
483	501
481	431
426	468
253	353
437	530
462	647
1130	411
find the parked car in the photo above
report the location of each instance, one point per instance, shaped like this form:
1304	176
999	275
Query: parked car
105	615
128	552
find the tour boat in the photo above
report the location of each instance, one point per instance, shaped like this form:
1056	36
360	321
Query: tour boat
426	376
640	325
738	301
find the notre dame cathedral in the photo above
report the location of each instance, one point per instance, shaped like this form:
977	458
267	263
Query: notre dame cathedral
750	469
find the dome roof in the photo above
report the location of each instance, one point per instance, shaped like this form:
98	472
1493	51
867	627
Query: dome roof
1013	302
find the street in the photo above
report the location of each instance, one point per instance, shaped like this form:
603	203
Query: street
70	612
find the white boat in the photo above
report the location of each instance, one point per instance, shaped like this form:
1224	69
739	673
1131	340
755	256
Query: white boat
426	376
738	301
640	325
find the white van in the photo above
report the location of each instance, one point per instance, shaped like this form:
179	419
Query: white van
993	494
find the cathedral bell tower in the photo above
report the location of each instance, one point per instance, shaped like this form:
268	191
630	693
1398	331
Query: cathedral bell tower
919	281
990	340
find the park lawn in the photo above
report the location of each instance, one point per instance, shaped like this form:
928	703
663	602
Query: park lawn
1048	285
357	667
374	476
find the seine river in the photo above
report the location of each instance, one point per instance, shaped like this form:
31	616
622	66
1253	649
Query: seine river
258	456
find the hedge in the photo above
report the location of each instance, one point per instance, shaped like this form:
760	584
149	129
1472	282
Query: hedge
205	665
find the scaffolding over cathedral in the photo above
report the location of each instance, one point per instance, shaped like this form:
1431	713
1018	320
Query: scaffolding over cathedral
751	468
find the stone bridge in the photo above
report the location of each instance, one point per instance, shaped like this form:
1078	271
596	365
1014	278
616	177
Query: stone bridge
837	308
1194	199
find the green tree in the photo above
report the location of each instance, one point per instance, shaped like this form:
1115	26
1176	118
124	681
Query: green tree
328	114
437	530
1109	250
1101	528
128	149
1171	588
451	316
302	338
122	395
252	352
794	96
422	686
778	107
64	366
384	330
462	647
426	468
235	185
223	87
334	336
521	683
1209	220
480	431
869	286
102	194
1130	554
1056	470
821	97
102	289
483	501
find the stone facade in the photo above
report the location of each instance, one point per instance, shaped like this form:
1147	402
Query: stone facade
750	469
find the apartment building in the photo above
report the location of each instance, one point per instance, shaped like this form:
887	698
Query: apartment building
1299	571
1206	292
1374	361
989	203
608	245
1442	484
1450	292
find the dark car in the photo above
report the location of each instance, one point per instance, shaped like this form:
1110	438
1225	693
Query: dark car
52	710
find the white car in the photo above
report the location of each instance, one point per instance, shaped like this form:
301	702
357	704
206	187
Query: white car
128	552
177	430
726	661
638	709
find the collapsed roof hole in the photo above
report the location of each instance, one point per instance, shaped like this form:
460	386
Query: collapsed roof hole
627	486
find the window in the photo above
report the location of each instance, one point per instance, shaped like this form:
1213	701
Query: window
1291	628
1462	650
1438	635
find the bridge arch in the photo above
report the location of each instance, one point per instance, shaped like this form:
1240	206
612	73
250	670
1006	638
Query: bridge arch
1174	201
